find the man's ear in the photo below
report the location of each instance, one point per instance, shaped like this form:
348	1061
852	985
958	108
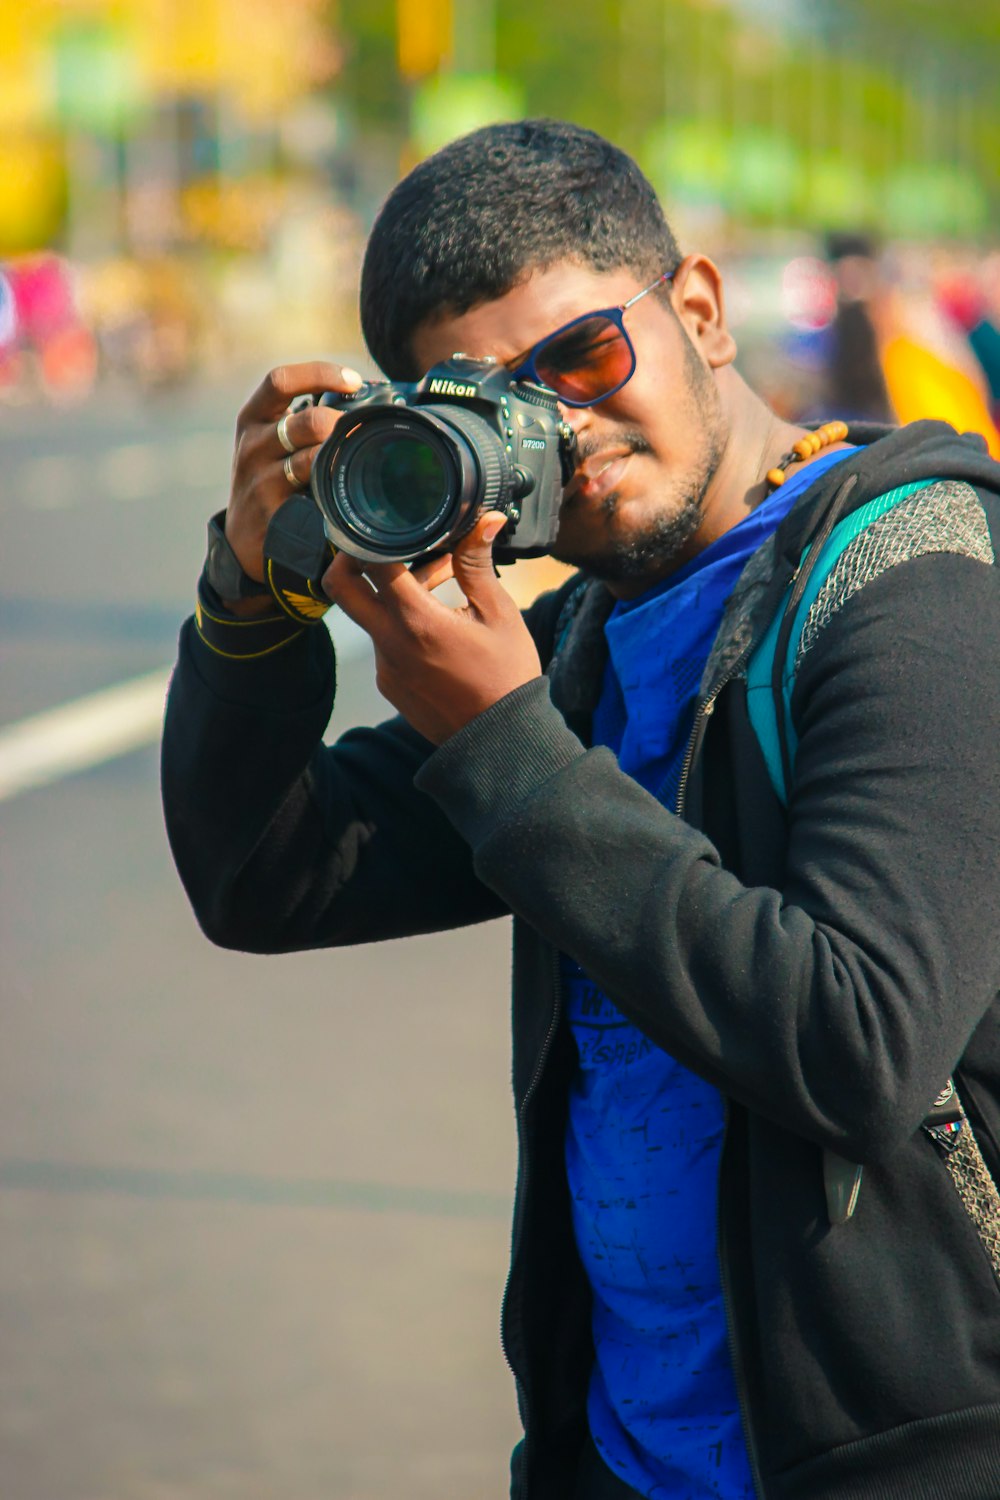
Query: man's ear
697	299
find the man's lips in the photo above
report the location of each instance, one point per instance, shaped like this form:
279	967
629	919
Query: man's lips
598	475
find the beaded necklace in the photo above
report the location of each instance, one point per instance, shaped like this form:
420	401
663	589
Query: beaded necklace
823	437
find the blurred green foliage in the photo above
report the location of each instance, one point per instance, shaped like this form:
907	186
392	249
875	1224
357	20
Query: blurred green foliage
835	113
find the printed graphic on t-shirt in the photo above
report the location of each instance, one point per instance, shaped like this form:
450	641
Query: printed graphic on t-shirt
603	1036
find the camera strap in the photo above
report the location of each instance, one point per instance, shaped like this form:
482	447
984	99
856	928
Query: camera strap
296	555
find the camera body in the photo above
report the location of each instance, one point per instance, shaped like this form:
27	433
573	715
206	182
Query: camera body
411	466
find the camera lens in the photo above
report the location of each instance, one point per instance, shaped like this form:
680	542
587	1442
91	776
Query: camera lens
393	483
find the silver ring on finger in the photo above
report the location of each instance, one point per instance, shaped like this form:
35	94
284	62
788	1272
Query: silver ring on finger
283	437
289	472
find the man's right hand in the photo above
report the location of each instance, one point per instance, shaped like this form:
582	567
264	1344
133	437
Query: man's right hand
260	484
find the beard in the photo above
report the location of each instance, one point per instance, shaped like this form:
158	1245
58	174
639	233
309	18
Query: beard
652	549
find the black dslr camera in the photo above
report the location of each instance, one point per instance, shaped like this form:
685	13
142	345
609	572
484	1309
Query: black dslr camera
411	466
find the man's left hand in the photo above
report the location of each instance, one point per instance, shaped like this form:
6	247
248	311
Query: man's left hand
440	667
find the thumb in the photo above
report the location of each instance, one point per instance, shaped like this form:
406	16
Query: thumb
472	560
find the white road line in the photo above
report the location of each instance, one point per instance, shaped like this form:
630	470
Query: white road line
104	725
81	734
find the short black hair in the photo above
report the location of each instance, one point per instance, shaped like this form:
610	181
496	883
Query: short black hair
477	217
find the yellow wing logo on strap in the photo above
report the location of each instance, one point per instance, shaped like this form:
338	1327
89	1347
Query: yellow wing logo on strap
310	608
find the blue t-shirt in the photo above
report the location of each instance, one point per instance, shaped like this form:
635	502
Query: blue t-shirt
644	1134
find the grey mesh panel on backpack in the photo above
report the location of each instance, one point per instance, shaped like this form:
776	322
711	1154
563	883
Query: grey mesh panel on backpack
944	521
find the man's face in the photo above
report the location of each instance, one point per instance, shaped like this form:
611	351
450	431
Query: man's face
638	504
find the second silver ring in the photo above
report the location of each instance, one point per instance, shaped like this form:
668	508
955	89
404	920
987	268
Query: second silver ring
289	472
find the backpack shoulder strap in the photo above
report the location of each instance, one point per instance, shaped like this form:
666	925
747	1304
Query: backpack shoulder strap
771	718
761	698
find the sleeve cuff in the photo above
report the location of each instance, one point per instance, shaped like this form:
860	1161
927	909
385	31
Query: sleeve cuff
287	680
482	774
240	638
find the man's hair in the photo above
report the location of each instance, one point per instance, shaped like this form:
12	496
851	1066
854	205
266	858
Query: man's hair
475	219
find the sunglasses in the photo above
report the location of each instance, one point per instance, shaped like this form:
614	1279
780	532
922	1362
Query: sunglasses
589	359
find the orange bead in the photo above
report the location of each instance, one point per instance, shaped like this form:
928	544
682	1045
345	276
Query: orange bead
775	477
803	447
817	442
839	431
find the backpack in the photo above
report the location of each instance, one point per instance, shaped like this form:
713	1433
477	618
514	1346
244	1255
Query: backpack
770	682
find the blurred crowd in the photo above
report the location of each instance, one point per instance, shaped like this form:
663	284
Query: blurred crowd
160	319
895	334
845	329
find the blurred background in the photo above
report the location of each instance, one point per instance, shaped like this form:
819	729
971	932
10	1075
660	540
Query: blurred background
254	1213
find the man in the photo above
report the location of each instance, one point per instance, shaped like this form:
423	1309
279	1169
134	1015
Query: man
721	1011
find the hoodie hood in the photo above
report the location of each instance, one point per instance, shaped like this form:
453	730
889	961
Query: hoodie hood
886	458
891	456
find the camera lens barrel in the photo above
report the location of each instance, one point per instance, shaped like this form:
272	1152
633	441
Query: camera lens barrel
395	482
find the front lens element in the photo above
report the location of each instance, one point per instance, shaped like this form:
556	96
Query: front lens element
586	361
398	482
395	483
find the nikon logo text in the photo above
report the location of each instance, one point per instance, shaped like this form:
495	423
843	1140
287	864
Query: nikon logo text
450	388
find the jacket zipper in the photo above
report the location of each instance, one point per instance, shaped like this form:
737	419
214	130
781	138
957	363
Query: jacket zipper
703	712
704	709
523	1196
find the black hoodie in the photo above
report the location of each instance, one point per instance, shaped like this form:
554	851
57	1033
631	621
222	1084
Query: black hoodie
826	970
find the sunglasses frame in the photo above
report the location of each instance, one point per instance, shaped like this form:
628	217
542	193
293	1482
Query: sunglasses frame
526	370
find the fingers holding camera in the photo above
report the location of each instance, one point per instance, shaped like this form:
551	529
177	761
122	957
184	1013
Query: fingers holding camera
296	468
475	570
275	448
302	427
283	437
431	575
440	667
284	383
366	586
373	592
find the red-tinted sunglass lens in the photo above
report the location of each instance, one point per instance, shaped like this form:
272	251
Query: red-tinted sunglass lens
586	362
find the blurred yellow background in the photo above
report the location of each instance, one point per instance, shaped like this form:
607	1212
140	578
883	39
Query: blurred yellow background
186	185
189	154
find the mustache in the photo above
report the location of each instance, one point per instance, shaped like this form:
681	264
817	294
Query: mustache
625	441
592	454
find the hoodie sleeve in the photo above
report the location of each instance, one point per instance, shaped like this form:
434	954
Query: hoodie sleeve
284	842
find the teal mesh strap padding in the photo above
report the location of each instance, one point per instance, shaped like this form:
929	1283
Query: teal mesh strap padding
760	699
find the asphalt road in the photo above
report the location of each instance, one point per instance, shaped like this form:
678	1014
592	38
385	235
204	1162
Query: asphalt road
253	1212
